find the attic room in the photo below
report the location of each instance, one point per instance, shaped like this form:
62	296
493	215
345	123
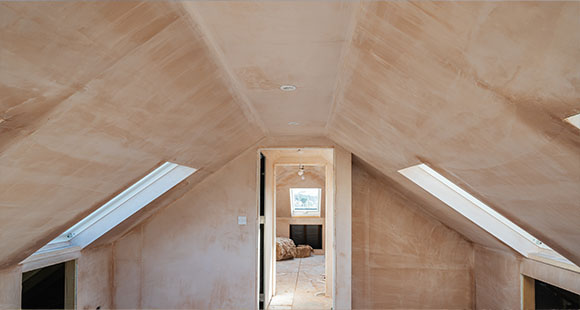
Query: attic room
289	155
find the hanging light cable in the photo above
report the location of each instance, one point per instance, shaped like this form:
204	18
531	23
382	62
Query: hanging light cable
301	171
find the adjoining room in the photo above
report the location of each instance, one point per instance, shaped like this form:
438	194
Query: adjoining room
300	211
300	189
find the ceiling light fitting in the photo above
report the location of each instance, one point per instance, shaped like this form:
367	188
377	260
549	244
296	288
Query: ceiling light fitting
287	88
301	171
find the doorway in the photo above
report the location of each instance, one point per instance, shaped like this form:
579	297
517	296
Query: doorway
297	251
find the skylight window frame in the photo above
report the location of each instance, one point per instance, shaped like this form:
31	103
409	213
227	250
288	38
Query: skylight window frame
482	215
112	213
316	213
573	120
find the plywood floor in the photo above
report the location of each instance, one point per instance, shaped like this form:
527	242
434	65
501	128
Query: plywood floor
300	284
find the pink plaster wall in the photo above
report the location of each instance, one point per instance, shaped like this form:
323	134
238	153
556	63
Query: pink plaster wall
95	278
497	279
193	254
401	257
10	287
128	270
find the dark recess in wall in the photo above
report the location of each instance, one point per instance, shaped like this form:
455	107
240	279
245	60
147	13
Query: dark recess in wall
307	235
44	288
552	297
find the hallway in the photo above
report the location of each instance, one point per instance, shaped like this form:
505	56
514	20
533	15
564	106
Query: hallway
300	284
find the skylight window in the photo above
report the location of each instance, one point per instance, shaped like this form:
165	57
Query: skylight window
574	120
305	201
114	211
481	214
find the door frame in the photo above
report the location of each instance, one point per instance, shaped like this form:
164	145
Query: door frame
338	244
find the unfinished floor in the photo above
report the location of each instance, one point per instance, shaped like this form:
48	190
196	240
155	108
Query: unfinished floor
300	284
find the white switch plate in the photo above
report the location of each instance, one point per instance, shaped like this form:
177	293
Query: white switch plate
241	220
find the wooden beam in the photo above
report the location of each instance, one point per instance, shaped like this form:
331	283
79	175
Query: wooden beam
70	284
528	293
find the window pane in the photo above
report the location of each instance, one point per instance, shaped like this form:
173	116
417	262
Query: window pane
305	201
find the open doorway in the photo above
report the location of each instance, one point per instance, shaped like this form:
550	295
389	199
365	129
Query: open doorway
51	287
300	213
298	248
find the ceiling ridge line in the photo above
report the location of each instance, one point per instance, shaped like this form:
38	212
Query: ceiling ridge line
197	24
338	91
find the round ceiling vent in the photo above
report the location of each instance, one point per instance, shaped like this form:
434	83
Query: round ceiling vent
288	88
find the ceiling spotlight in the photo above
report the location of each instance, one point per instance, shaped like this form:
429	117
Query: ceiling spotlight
288	88
293	123
301	171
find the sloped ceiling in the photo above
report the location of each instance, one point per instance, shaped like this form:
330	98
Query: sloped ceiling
94	95
478	91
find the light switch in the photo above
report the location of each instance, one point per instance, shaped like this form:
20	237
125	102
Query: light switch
241	220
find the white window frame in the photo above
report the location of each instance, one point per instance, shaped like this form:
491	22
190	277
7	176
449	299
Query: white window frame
574	120
305	213
68	245
484	216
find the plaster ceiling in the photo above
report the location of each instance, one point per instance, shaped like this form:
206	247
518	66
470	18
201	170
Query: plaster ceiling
266	44
478	91
93	95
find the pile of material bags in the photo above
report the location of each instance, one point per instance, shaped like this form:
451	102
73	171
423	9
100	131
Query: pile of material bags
286	249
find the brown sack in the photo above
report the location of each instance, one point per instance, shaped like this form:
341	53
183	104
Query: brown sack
303	251
285	248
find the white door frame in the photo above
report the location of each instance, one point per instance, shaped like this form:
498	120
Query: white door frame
338	221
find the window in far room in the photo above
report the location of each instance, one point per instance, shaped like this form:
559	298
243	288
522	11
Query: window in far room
305	201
